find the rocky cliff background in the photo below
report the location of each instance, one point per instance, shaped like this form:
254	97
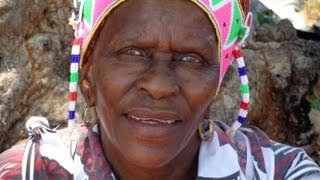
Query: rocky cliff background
35	42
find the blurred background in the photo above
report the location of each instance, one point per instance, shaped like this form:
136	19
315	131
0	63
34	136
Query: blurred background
282	56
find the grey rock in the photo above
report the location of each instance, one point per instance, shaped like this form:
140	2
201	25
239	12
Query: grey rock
35	41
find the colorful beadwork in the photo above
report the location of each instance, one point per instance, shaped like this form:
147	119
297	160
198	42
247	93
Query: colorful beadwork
74	78
245	90
226	17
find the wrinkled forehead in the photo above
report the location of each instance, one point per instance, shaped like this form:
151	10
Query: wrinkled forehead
149	7
176	26
140	12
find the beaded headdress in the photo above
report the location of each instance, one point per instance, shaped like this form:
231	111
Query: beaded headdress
226	16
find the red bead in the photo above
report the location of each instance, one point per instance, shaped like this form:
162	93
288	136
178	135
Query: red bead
77	41
244	105
73	96
237	53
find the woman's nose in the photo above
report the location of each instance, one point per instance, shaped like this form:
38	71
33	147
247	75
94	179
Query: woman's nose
158	82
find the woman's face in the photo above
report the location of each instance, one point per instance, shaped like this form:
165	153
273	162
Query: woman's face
152	76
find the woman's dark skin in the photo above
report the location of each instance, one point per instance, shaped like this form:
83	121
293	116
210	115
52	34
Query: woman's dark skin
156	61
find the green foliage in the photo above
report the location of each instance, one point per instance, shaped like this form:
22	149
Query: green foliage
266	18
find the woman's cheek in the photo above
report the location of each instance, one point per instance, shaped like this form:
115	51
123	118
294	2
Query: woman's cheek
117	77
197	86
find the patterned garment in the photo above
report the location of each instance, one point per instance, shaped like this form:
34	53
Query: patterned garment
250	155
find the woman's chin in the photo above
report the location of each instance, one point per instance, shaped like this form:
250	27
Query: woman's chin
150	154
149	158
149	145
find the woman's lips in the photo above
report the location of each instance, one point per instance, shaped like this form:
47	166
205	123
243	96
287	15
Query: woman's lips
153	117
152	125
152	120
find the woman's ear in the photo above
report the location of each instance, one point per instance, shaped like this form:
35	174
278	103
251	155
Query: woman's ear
245	4
87	84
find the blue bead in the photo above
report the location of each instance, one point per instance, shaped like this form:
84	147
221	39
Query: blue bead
241	119
72	114
75	58
242	71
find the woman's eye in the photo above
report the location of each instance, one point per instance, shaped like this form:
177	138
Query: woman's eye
133	52
190	59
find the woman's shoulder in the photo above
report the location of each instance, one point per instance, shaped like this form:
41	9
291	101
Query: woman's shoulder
45	155
259	155
288	162
11	161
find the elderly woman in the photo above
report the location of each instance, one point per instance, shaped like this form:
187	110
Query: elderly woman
150	70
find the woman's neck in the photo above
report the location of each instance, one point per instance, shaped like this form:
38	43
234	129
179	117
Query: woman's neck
183	166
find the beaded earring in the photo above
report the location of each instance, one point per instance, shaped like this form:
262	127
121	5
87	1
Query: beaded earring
77	24
245	90
74	77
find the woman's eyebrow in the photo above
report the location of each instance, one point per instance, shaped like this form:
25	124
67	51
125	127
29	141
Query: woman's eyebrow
202	46
191	43
118	40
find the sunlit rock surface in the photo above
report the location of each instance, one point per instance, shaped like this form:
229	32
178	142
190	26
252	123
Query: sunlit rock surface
35	43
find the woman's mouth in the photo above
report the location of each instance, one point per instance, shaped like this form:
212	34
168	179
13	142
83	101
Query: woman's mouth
152	121
153	116
151	124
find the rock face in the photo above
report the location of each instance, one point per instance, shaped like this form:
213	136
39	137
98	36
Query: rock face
35	42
